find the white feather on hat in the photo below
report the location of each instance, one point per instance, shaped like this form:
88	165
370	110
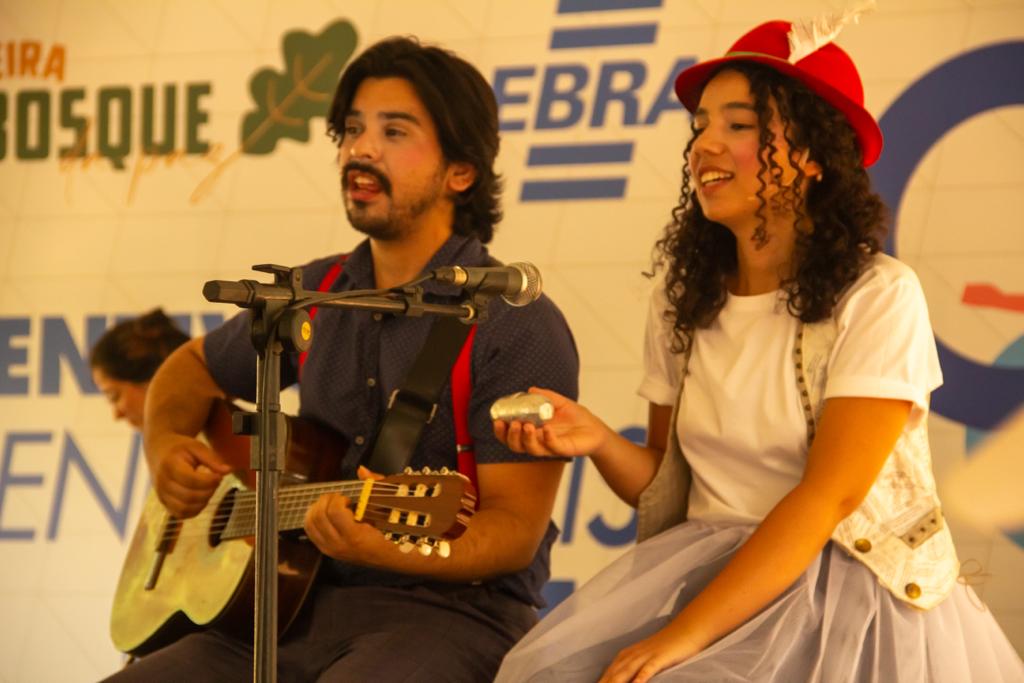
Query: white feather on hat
808	35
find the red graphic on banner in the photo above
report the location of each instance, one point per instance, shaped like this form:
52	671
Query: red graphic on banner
990	296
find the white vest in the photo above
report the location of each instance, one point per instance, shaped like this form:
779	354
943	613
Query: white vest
898	530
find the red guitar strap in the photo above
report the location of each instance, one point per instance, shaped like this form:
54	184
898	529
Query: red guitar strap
461	390
461	383
330	277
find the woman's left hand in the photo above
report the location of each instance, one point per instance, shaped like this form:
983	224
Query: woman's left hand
640	662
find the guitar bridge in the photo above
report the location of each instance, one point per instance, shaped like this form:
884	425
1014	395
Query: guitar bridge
154	570
168	538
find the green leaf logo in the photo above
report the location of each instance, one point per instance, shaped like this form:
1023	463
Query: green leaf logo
286	101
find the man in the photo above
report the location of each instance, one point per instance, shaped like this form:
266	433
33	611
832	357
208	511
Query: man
417	136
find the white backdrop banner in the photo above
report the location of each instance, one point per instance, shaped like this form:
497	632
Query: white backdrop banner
146	147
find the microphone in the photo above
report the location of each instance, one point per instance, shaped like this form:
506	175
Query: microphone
517	283
245	293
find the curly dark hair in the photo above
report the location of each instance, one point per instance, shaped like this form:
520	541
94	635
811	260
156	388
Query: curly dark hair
839	224
132	350
463	109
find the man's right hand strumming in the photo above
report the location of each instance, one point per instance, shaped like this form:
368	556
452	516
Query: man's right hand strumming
186	474
185	471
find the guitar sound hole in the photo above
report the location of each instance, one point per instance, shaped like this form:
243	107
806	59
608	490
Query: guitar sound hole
221	517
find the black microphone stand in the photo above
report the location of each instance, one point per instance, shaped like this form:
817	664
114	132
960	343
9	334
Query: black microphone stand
280	324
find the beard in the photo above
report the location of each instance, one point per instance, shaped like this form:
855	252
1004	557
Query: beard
395	224
400	216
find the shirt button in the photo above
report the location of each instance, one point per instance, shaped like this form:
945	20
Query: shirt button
360	440
378	316
913	591
371	382
862	545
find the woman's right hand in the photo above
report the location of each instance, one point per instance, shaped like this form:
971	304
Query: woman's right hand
572	431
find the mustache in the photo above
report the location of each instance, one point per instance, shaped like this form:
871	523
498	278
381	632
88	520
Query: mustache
381	179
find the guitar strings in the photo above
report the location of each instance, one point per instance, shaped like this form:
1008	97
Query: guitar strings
291	497
244	509
374	511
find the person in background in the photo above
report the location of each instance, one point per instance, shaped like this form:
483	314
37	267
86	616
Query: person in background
791	530
126	357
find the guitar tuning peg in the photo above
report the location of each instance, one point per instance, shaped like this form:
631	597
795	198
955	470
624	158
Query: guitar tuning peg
424	547
444	549
443	470
404	544
408	470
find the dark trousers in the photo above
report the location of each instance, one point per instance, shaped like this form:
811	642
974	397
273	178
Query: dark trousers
425	634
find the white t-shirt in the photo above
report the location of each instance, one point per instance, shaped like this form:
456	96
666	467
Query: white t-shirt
741	424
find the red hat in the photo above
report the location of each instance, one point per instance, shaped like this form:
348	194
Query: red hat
828	71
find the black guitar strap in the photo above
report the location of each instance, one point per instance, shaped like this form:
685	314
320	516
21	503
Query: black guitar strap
413	406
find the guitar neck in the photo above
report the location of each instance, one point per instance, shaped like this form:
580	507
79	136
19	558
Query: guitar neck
413	507
293	501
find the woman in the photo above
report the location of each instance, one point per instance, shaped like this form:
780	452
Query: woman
800	360
125	358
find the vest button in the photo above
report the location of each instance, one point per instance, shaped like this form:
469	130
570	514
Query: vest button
862	545
913	591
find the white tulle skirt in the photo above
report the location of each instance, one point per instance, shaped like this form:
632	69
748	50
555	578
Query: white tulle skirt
835	623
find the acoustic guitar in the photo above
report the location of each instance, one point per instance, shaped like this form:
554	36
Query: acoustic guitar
180	576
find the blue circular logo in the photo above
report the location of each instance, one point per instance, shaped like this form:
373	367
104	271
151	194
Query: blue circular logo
977	395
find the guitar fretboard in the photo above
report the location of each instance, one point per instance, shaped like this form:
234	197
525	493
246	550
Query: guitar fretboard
293	501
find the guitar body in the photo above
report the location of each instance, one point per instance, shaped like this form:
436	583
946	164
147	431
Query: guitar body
202	581
181	576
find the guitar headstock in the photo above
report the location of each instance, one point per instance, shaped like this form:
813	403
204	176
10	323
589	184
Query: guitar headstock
422	510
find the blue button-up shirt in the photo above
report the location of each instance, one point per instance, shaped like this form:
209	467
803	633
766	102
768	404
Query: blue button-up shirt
359	357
